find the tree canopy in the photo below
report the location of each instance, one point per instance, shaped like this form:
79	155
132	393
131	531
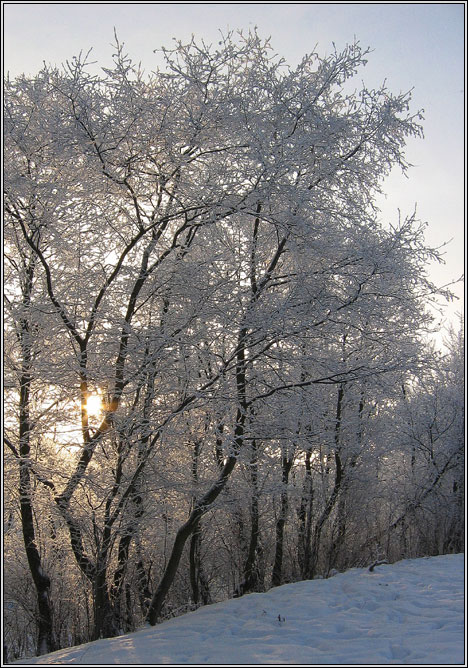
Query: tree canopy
206	317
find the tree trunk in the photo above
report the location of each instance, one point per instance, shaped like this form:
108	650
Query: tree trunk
330	504
305	519
198	581
46	641
105	622
277	575
251	576
324	516
118	588
144	593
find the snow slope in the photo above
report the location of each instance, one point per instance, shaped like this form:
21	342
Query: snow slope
411	612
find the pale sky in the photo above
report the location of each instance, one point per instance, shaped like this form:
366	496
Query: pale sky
417	46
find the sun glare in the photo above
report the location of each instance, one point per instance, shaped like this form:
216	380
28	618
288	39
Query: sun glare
94	405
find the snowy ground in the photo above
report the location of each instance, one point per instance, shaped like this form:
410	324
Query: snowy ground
411	612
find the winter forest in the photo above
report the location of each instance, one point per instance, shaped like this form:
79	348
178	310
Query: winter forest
217	369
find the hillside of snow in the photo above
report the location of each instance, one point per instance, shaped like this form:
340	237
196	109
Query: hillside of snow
410	612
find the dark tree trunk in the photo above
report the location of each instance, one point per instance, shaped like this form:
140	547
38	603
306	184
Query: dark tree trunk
305	519
277	575
144	593
251	580
330	504
324	517
198	582
119	574
337	557
46	641
105	621
118	584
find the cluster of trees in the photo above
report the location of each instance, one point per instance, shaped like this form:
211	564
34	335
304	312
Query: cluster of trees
216	376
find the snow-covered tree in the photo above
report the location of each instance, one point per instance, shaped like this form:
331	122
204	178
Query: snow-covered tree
205	306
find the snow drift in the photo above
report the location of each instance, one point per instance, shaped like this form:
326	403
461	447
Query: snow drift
410	612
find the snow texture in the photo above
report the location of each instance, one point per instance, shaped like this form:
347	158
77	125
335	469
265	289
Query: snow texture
410	612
